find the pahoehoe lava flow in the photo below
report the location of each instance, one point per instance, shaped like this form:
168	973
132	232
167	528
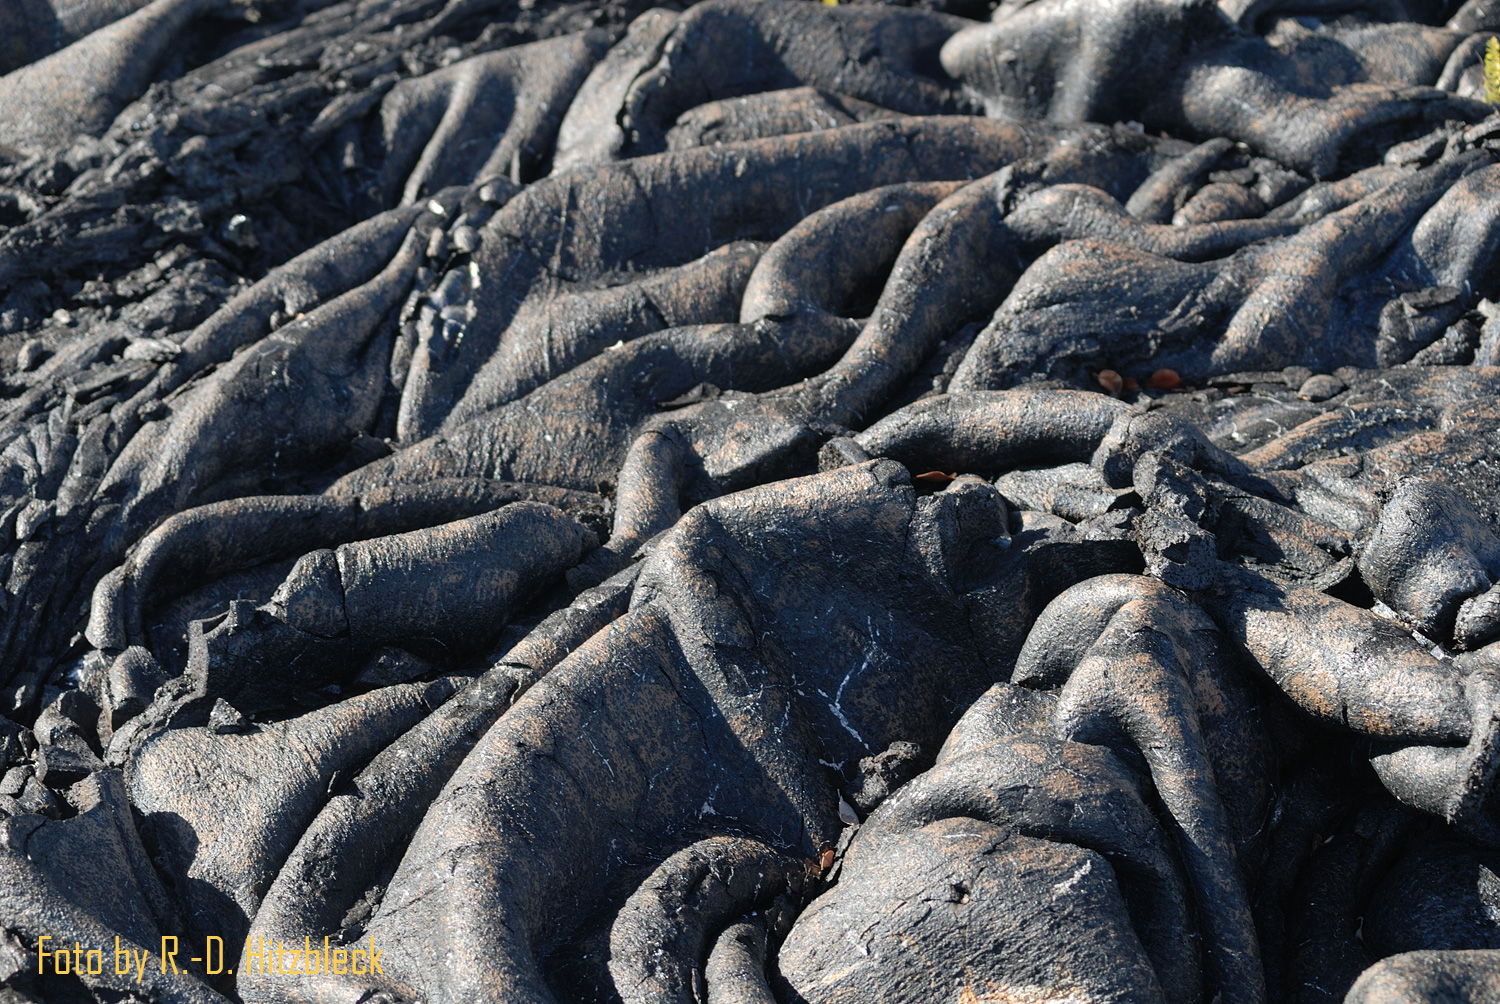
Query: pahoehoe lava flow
750	501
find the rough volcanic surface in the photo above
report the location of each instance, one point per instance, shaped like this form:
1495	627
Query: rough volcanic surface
756	502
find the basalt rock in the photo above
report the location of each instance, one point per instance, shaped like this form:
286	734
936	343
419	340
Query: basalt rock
749	502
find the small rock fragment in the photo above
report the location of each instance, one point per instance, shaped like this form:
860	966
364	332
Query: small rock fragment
14	780
847	815
225	718
1320	387
59	766
31	355
465	239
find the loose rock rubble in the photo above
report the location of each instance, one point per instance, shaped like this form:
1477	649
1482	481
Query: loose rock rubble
769	501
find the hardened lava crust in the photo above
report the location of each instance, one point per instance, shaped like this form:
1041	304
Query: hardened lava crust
754	502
